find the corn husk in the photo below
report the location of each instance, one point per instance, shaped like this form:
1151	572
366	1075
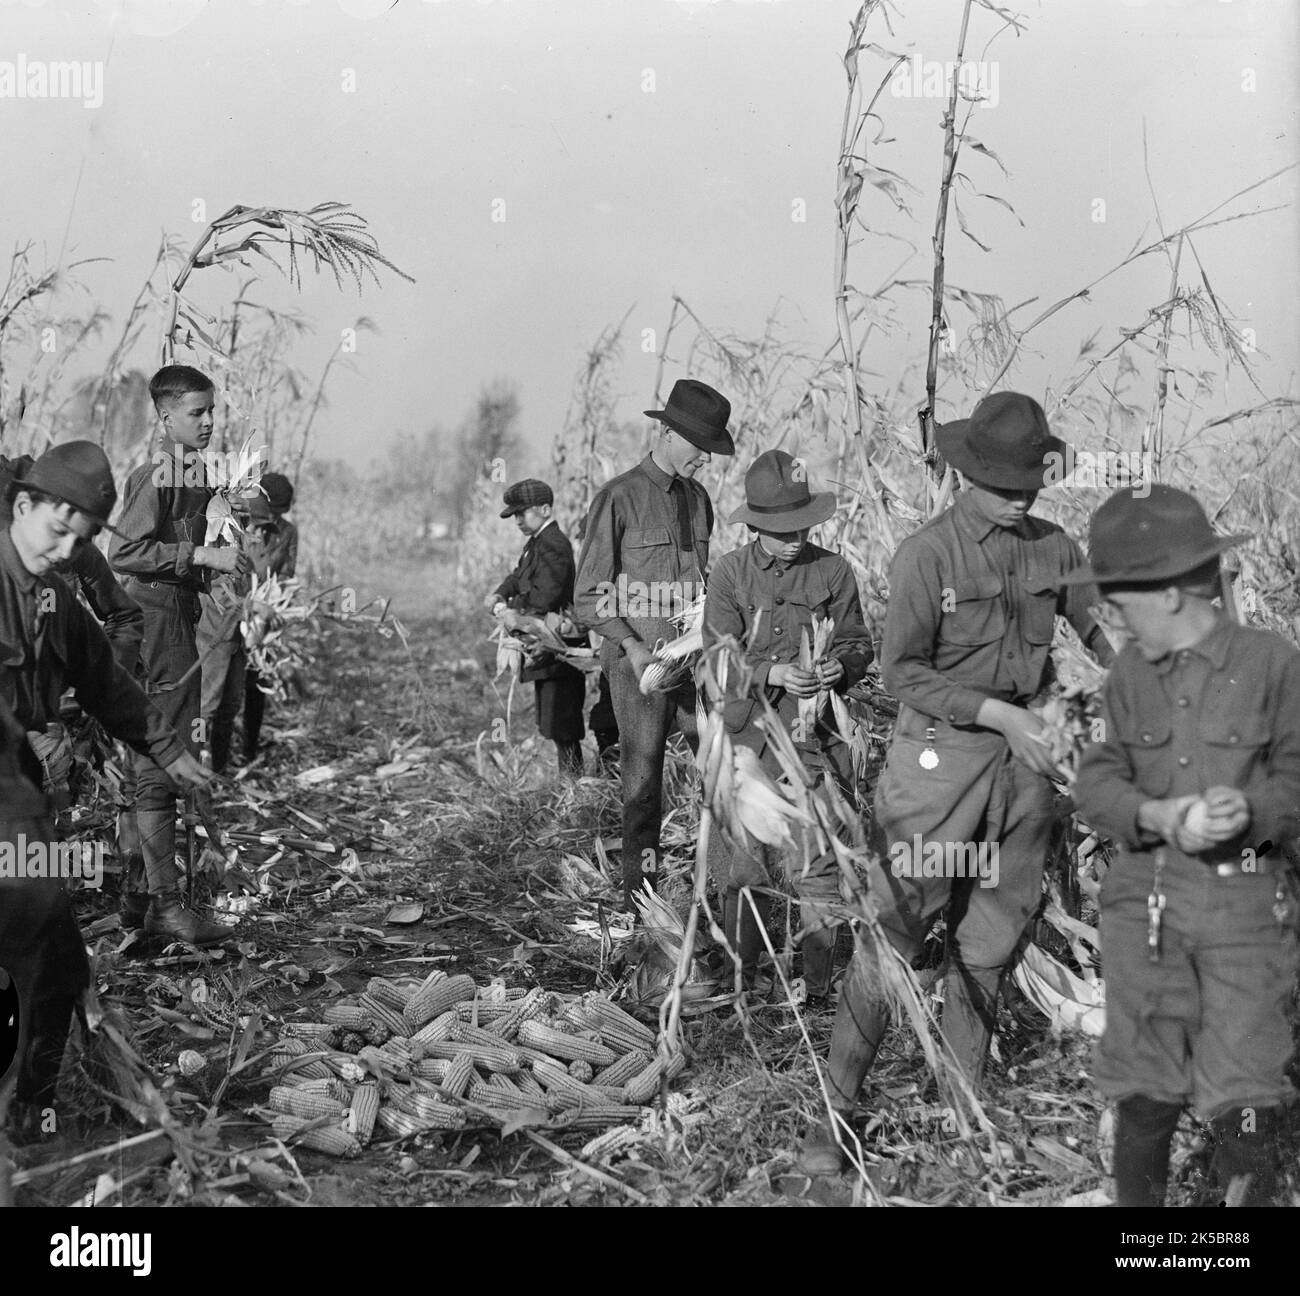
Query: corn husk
674	660
532	637
1069	1002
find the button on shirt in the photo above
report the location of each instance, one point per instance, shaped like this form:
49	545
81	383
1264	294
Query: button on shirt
1224	713
766	606
637	568
972	609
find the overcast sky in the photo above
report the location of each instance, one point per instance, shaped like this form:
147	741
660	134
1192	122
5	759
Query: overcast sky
644	148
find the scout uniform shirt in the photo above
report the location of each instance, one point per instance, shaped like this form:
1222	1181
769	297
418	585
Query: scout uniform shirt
971	613
767	606
1199	951
48	642
160	528
645	553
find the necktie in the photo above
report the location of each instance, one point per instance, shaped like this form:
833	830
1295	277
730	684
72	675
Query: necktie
685	531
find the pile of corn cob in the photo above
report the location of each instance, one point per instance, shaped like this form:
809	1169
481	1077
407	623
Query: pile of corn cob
441	1054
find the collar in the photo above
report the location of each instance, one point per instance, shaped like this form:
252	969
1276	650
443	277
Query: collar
1212	646
656	474
767	561
13	565
969	522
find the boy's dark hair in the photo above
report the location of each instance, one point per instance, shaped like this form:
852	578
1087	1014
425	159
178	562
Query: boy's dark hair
1202	582
175	380
17	486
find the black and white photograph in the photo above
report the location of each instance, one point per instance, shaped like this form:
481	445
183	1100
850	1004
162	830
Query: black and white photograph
649	603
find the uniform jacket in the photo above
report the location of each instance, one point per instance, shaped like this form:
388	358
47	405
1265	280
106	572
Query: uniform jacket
542	582
161	527
972	609
767	606
1225	712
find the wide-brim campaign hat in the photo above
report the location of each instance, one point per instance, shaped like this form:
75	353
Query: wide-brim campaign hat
526	494
698	413
78	473
777	497
1005	443
1136	541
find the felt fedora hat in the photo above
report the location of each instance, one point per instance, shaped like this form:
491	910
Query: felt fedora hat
78	473
777	497
1137	541
698	413
1005	443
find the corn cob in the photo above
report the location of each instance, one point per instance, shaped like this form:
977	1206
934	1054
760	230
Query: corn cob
538	1003
352	1041
575	1013
487	1095
385	1063
581	1071
620	1072
297	1102
309	1031
572	1047
400	1049
437	1029
498	1081
288	1046
464	1033
616	1094
485	1010
365	1107
562	1089
498	1057
426	1107
640	1088
595	1117
434	1069
382	1013
605	1145
610	1016
529	1087
400	1123
332	1087
349	1016
430	1001
345	1067
386	993
506	1026
460	1071
333	1139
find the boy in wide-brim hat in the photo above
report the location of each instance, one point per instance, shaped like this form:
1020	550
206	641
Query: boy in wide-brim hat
645	552
541	585
1196	777
972	608
767	596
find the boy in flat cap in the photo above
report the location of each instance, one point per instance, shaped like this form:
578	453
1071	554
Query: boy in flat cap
164	564
48	643
1196	778
972	608
644	557
541	585
767	596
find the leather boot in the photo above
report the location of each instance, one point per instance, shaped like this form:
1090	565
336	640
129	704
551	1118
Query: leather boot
860	1024
168	916
254	710
132	910
1144	1129
1245	1155
818	963
969	1016
158	847
744	933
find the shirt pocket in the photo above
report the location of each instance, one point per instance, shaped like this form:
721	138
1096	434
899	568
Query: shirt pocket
1236	746
976	615
1038	613
1148	744
649	554
803	607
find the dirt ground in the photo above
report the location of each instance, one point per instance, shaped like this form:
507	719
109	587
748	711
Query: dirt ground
454	846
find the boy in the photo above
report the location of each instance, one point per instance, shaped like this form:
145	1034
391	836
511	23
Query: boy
969	626
1197	780
164	565
541	585
48	642
766	596
644	557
